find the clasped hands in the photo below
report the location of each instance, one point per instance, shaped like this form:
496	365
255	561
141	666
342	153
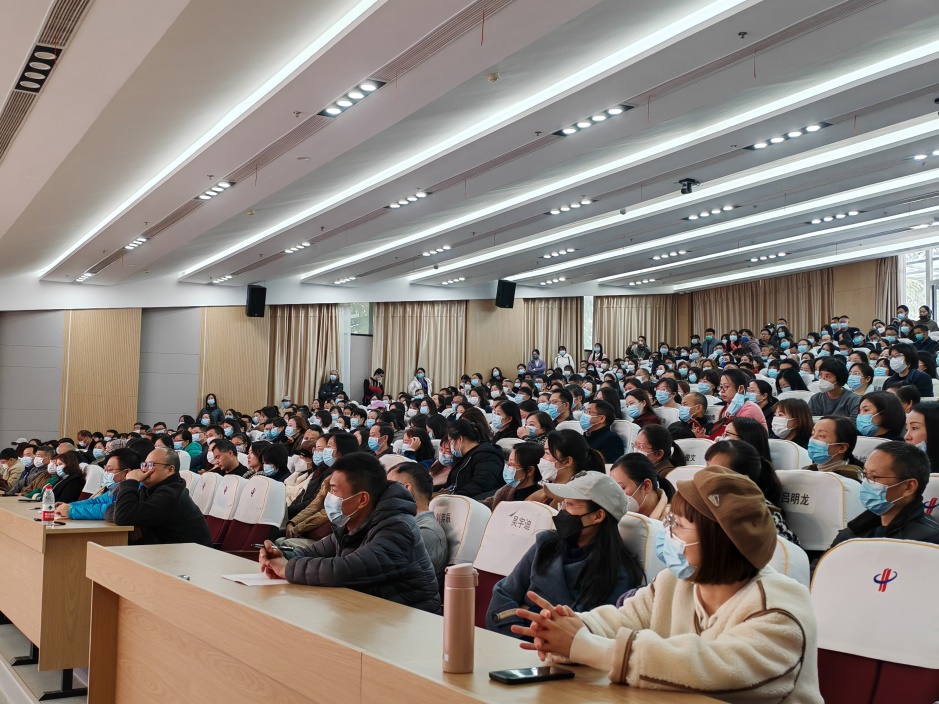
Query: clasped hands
552	629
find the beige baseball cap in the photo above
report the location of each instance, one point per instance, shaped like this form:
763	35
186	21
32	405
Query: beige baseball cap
592	486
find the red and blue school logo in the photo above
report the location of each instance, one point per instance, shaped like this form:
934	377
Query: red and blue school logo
884	578
930	506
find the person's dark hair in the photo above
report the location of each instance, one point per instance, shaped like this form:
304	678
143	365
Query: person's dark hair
752	431
464	429
610	396
275	454
909	354
846	432
604	409
69	461
478	420
346	443
511	411
721	560
909	462
141	446
364	473
7	453
642	395
793	378
661	440
930	412
422	486
601	569
126	458
745	460
907	393
892	417
386	431
565	396
529	406
570	443
638	467
528	455
928	359
224	445
426	450
737	377
835	366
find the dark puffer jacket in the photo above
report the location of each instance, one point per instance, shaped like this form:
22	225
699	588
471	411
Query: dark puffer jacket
384	557
478	474
163	513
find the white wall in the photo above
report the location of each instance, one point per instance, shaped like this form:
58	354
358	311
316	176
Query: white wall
360	362
169	364
31	348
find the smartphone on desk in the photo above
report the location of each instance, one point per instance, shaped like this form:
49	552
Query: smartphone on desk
530	674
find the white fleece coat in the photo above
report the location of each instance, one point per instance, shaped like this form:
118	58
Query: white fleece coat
760	646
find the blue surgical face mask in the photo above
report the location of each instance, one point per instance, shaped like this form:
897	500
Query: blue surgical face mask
736	403
671	551
684	414
231	431
858	340
874	497
694	355
98	453
204	421
662	397
333	377
196	437
585	421
854	382
177	446
317	457
803	349
420	375
818	451
683	371
693	378
772	373
289	431
285	404
824	353
333	506
60	470
733	338
425	410
633	411
865	424
268	470
705	388
328	458
354	422
553	410
784	345
107	481
496	422
751	397
531	431
508	476
891	338
373	444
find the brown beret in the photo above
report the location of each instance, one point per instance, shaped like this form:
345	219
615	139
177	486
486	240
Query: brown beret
737	504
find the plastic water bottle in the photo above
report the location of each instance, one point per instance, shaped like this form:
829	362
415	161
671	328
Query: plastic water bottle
48	506
459	616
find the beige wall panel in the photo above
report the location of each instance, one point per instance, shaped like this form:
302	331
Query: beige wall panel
234	359
683	304
855	293
101	369
494	337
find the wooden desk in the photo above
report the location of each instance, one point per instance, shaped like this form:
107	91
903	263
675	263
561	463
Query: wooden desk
158	637
43	588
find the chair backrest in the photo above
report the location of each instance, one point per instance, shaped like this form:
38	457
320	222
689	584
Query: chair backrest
668	415
931	496
638	534
569	425
680	474
94	476
226	497
204	492
713	400
464	523
792	561
190	479
804	395
873	597
509	534
865	446
185	461
392	460
818	504
712	413
627	432
508	443
785	455
935	387
396	446
262	501
694	449
878	383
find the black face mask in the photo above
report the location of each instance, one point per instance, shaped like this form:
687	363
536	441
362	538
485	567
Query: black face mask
568	525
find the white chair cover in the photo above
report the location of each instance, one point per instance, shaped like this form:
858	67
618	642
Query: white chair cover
94	476
785	455
638	534
262	502
464	522
694	449
668	415
569	425
509	534
865	446
627	431
226	497
791	560
204	492
817	505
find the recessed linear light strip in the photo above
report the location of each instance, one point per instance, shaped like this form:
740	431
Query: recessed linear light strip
264	90
857	194
657	40
852	148
790	266
774	245
875	70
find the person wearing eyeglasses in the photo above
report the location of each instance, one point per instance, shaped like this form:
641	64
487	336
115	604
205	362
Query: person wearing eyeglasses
154	499
904	363
895	477
94	508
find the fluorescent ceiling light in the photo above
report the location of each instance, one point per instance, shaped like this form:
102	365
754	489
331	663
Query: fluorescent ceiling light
842	82
823	156
264	90
889	249
749	221
639	49
774	245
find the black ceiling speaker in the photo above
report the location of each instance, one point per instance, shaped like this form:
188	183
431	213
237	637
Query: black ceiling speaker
254	303
505	294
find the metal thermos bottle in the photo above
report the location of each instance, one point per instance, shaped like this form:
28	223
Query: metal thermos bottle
459	617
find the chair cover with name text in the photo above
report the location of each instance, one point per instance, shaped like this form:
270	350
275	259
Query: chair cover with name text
667	415
817	505
680	474
865	446
694	449
627	432
463	521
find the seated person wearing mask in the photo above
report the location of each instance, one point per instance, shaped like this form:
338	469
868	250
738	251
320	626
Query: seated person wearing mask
832	398
717	621
595	421
154	499
583	562
375	547
116	467
895	476
416	480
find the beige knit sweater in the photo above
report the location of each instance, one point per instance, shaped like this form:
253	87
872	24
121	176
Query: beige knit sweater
760	646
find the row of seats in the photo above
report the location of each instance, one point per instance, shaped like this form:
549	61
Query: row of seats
239	512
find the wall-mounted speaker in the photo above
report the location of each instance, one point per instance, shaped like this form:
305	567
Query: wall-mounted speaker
505	294
254	303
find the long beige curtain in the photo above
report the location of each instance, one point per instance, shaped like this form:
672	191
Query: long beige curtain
428	334
304	346
554	322
619	320
804	299
886	287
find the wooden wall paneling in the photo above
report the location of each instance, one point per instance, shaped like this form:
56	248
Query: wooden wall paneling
101	369
494	337
234	359
855	294
683	305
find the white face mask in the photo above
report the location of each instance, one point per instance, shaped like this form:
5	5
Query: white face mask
548	469
781	427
